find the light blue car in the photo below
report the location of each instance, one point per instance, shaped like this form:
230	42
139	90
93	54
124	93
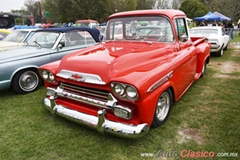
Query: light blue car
18	67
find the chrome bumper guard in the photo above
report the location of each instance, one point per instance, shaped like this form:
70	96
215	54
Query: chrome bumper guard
99	122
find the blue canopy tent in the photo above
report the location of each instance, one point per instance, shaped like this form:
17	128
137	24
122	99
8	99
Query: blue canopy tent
222	16
209	17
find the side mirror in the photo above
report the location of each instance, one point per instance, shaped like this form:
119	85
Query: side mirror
60	46
184	38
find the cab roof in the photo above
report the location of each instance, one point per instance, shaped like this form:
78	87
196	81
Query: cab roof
167	12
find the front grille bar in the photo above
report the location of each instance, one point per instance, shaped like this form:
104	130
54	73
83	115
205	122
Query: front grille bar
85	95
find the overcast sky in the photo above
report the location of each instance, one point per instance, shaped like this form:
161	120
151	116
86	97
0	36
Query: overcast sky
8	5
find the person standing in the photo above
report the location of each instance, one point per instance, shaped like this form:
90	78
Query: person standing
214	23
133	29
202	24
230	28
239	27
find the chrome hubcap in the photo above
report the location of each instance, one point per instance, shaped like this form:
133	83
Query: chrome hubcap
28	81
163	106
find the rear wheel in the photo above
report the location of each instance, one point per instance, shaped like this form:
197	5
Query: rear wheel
220	52
26	81
226	47
163	108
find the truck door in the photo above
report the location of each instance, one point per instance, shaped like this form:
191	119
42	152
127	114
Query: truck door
187	56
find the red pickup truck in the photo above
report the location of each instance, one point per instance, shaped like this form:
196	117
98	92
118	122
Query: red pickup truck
129	81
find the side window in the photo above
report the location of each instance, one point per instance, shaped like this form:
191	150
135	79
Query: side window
75	38
28	36
181	28
116	30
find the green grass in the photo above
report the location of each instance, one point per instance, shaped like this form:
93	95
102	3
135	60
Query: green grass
210	108
236	37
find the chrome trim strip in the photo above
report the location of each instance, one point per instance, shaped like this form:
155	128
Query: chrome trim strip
81	90
160	82
107	105
100	123
81	77
111	101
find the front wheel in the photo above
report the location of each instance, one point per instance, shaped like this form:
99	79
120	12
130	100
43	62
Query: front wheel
163	107
26	81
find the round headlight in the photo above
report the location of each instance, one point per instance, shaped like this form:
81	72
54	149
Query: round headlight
131	92
119	89
51	76
45	74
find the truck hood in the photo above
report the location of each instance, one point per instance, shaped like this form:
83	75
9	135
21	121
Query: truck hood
22	53
110	60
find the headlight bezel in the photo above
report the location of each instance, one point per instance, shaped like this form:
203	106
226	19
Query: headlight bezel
47	76
131	89
126	91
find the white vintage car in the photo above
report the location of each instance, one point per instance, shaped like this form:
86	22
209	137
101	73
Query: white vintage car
216	36
15	39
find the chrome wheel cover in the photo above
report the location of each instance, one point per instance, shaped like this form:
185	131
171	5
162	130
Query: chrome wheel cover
28	81
163	106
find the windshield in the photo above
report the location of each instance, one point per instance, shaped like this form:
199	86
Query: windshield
43	39
149	28
16	36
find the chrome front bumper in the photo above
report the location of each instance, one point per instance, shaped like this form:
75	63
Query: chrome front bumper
99	122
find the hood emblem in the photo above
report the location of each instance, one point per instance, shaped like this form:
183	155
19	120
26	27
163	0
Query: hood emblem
77	77
81	77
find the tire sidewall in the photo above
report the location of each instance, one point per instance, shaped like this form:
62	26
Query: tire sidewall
220	52
156	122
204	69
16	80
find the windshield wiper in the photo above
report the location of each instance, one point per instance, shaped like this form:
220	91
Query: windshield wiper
37	44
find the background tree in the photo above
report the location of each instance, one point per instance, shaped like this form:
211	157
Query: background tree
162	4
122	5
52	6
145	4
20	16
33	8
193	8
72	10
176	4
230	8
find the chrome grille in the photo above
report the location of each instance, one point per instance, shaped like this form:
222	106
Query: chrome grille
88	93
